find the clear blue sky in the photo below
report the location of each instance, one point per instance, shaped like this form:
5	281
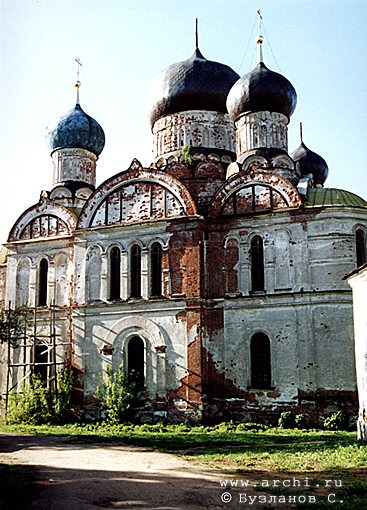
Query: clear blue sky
319	45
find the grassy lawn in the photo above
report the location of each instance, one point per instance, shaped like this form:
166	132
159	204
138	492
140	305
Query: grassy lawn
253	453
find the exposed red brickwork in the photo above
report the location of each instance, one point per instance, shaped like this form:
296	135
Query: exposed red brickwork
190	389
219	387
231	259
185	258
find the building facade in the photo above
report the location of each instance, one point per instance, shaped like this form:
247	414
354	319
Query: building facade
358	281
215	274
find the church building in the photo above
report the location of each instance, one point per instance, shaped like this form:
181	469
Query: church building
216	273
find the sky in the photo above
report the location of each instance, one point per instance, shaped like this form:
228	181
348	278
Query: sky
319	45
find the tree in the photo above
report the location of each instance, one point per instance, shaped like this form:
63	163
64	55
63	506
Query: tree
13	324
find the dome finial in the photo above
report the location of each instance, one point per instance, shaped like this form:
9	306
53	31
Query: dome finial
77	84
301	132
260	39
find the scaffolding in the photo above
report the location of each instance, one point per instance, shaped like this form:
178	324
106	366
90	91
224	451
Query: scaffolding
39	350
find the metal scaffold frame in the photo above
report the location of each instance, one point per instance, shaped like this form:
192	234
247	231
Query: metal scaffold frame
28	361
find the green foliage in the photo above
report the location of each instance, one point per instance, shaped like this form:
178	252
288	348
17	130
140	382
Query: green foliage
31	404
62	400
119	395
289	420
286	420
35	404
301	421
12	324
337	421
185	154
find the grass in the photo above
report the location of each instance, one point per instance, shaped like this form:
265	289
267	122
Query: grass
247	451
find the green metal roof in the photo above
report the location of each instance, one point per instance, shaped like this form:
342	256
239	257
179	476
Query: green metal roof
332	197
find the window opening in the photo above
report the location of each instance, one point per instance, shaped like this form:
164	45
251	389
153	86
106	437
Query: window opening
260	361
156	270
136	360
42	282
135	271
115	273
360	247
257	264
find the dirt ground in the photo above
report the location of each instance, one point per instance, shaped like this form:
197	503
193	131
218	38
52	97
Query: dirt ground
76	475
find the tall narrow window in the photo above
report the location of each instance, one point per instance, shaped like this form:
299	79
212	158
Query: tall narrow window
260	361
156	270
360	247
115	273
135	271
42	282
136	360
257	264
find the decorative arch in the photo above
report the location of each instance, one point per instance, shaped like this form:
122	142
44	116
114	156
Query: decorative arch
45	219
117	199
141	326
254	192
153	336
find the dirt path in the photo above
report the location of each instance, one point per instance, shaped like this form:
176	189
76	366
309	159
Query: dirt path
76	475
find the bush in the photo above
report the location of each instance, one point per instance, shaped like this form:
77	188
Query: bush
119	395
36	404
337	421
30	405
62	401
301	421
286	420
289	420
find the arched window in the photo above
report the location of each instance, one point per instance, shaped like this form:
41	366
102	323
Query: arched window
360	247
156	270
135	271
42	282
136	360
115	273
260	361
257	264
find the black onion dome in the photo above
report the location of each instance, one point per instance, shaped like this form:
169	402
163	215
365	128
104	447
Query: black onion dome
193	84
262	90
311	163
77	130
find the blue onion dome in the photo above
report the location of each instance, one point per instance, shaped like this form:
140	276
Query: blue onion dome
77	130
311	163
193	84
261	90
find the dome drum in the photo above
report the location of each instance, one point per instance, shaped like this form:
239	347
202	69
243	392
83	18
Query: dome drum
74	165
203	131
261	130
